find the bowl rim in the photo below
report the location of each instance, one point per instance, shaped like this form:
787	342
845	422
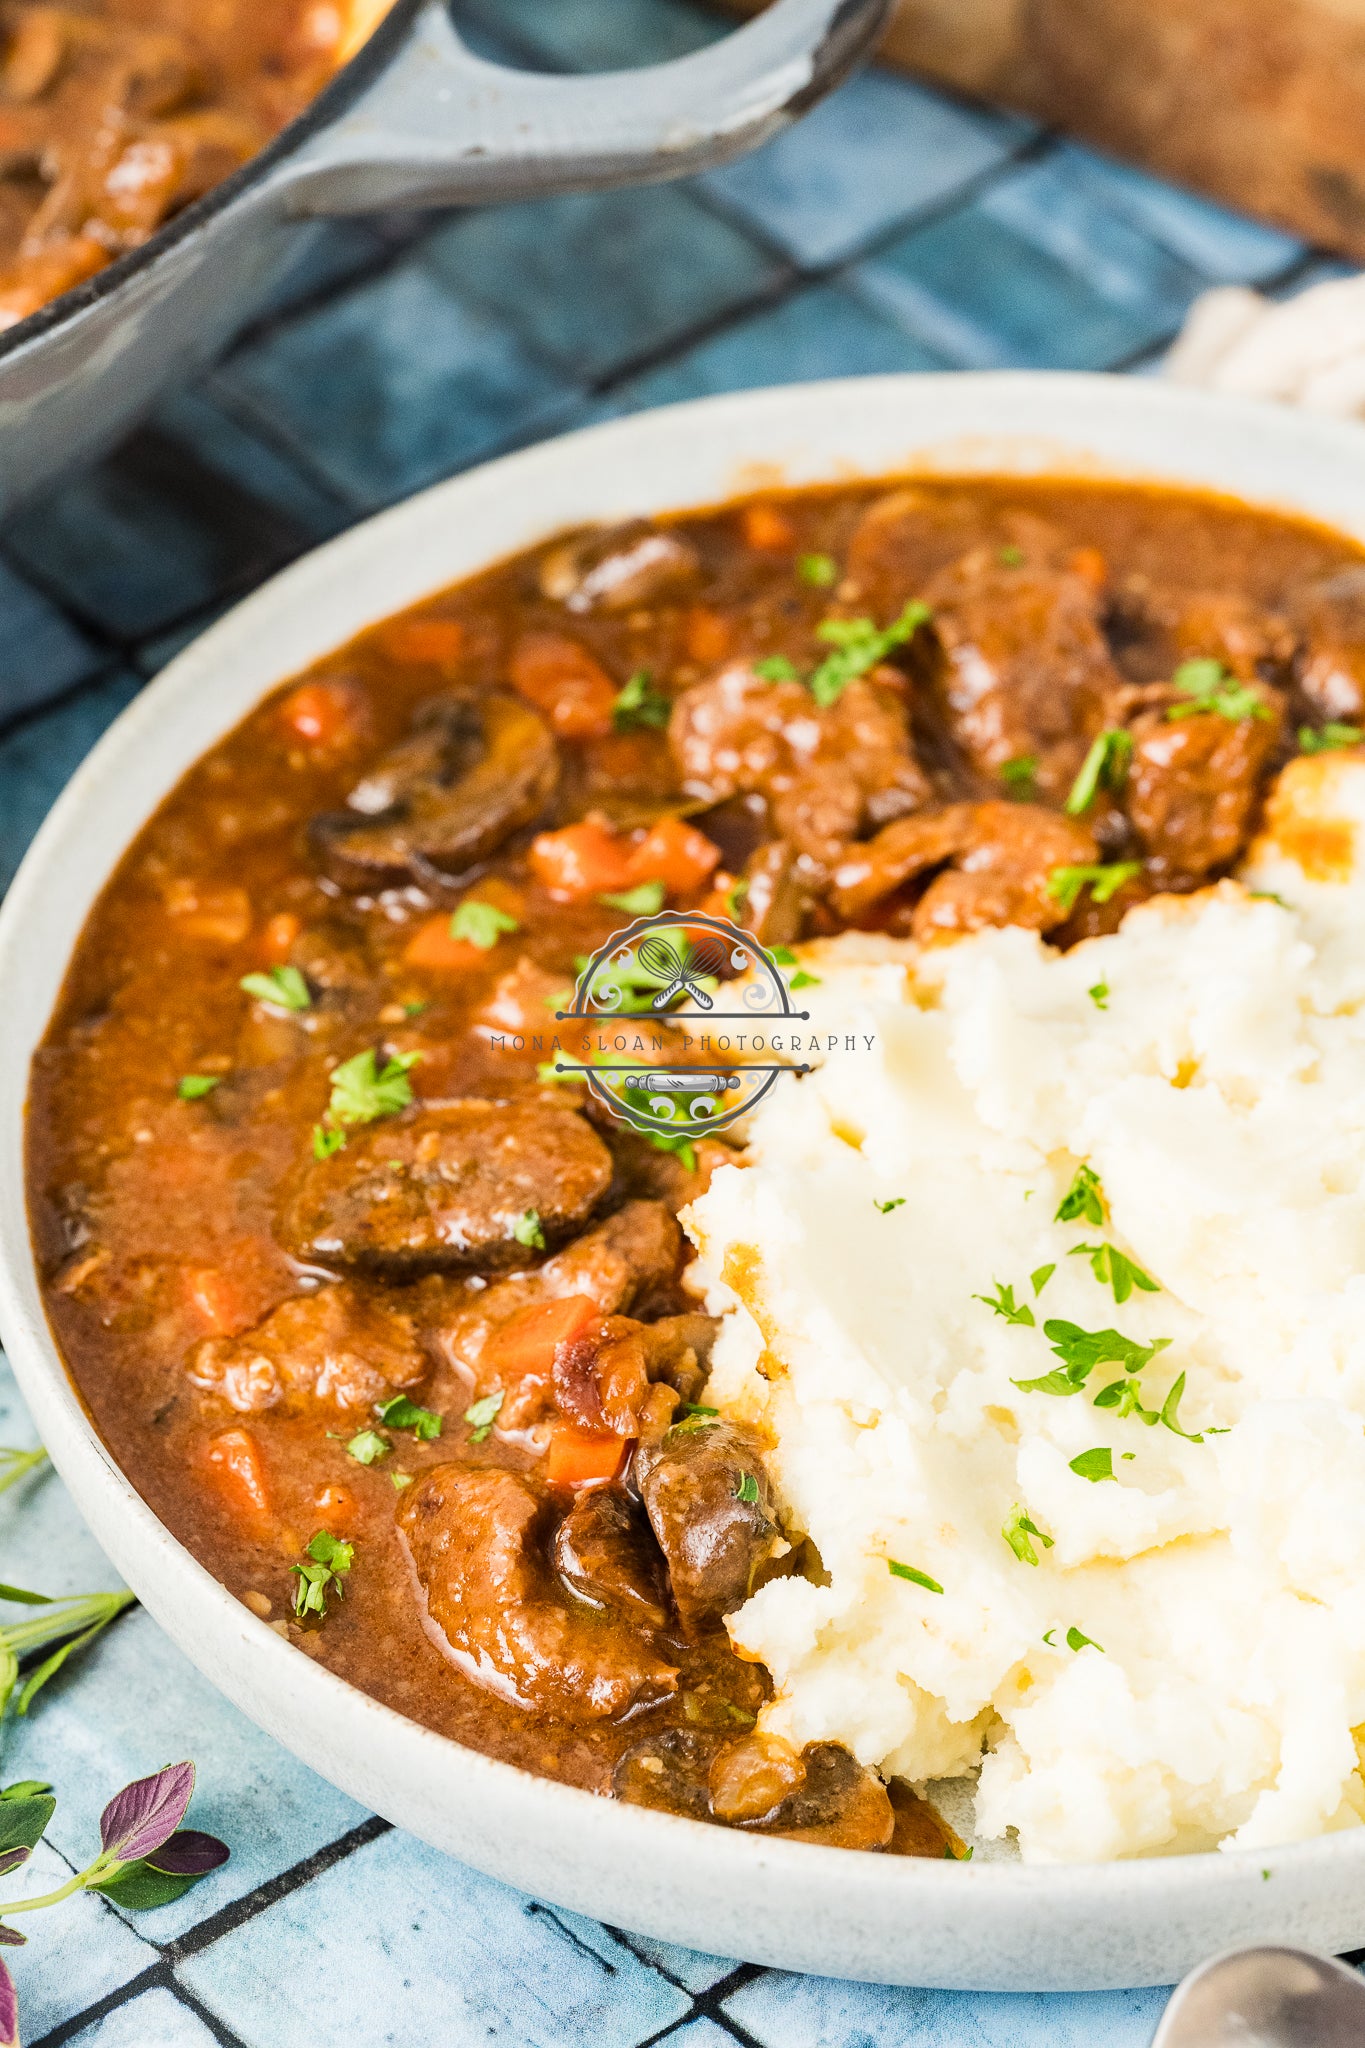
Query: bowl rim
307	1695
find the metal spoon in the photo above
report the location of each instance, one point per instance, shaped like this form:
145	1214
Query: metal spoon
1266	1998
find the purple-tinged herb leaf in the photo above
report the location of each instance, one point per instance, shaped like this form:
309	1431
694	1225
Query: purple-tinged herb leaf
189	1854
146	1813
9	2010
10	1937
15	1858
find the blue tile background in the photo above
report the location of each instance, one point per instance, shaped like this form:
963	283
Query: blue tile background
895	229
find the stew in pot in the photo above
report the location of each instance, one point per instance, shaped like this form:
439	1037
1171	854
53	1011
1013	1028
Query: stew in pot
391	1327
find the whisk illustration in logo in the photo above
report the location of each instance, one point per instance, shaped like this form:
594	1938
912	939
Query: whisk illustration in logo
683	1025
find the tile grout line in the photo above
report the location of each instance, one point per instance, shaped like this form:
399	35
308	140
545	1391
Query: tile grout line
239	1911
157	1976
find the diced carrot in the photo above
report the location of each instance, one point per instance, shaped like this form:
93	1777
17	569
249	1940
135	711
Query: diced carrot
279	935
528	1342
717	901
1090	565
431	946
561	678
676	854
766	529
623	757
234	1459
325	715
579	1457
581	861
706	635
215	1296
433	643
335	1507
221	916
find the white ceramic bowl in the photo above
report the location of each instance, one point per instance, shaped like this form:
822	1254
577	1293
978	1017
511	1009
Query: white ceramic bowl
976	1925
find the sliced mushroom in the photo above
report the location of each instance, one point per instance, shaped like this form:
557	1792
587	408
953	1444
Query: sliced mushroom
606	1556
708	1501
474	768
760	1784
618	569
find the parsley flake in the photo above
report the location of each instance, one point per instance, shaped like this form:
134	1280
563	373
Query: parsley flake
193	1087
1019	1532
1082	1350
1076	1641
736	896
639	705
802	980
1083	1199
328	1561
1327	738
645	900
1002	1303
526	1230
1105	879
368	1446
858	646
1099	995
1125	1398
284	988
1010	556
1051	1638
482	1414
1104	767
481	924
896	1202
1094	1465
398	1480
817	570
1019	776
1170	1413
363	1091
1039	1278
1209	685
698	1408
401	1413
326	1142
776	668
907	1571
747	1490
1112	1269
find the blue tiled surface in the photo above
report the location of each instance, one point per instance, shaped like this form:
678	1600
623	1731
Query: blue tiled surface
895	229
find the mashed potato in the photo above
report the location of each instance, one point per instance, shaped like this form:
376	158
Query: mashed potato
1172	1657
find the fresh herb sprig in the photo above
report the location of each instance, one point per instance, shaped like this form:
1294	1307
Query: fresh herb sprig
1104	767
326	1562
362	1092
1103	878
1208	685
1113	1268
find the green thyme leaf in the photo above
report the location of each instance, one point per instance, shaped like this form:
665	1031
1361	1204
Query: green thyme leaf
817	570
1104	767
526	1230
363	1091
639	705
401	1413
1094	1465
192	1087
368	1446
1210	686
1020	1533
1113	1269
1084	1199
1327	738
1076	1641
1002	1303
482	1414
645	900
907	1571
858	646
481	924
1105	879
284	988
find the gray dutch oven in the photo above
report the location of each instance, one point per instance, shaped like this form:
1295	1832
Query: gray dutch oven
414	119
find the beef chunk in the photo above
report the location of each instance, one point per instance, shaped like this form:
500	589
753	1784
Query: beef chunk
446	1187
337	1348
603	1378
605	1554
619	569
827	774
1000	857
1330	618
710	1507
476	1542
1193	785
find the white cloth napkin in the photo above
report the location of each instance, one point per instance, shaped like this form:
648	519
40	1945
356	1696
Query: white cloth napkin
1307	351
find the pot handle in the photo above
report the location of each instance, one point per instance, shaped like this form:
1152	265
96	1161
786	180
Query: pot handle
441	126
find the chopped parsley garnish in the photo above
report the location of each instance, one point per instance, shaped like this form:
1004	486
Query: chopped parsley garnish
328	1561
907	1571
482	1414
1094	1465
1325	739
747	1490
1082	1350
698	1408
1125	1398
1019	775
858	646
191	1087
777	668
1170	1413
802	980
1076	1641
952	1855
284	988
326	1143
1113	1269
368	1447
1039	1278
1105	879
398	1480
1020	1533
817	570
1209	685
736	896
401	1413
363	1091
415	1009
1010	557
481	924
526	1230
1098	993
646	899
1051	1638
896	1202
1104	767
1083	1199
639	705
1002	1303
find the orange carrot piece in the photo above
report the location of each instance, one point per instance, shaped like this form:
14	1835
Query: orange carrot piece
580	1457
213	1294
676	854
335	1507
1090	565
766	529
581	861
431	946
321	714
561	678
528	1342
234	1460
279	935
220	915
421	642
706	635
